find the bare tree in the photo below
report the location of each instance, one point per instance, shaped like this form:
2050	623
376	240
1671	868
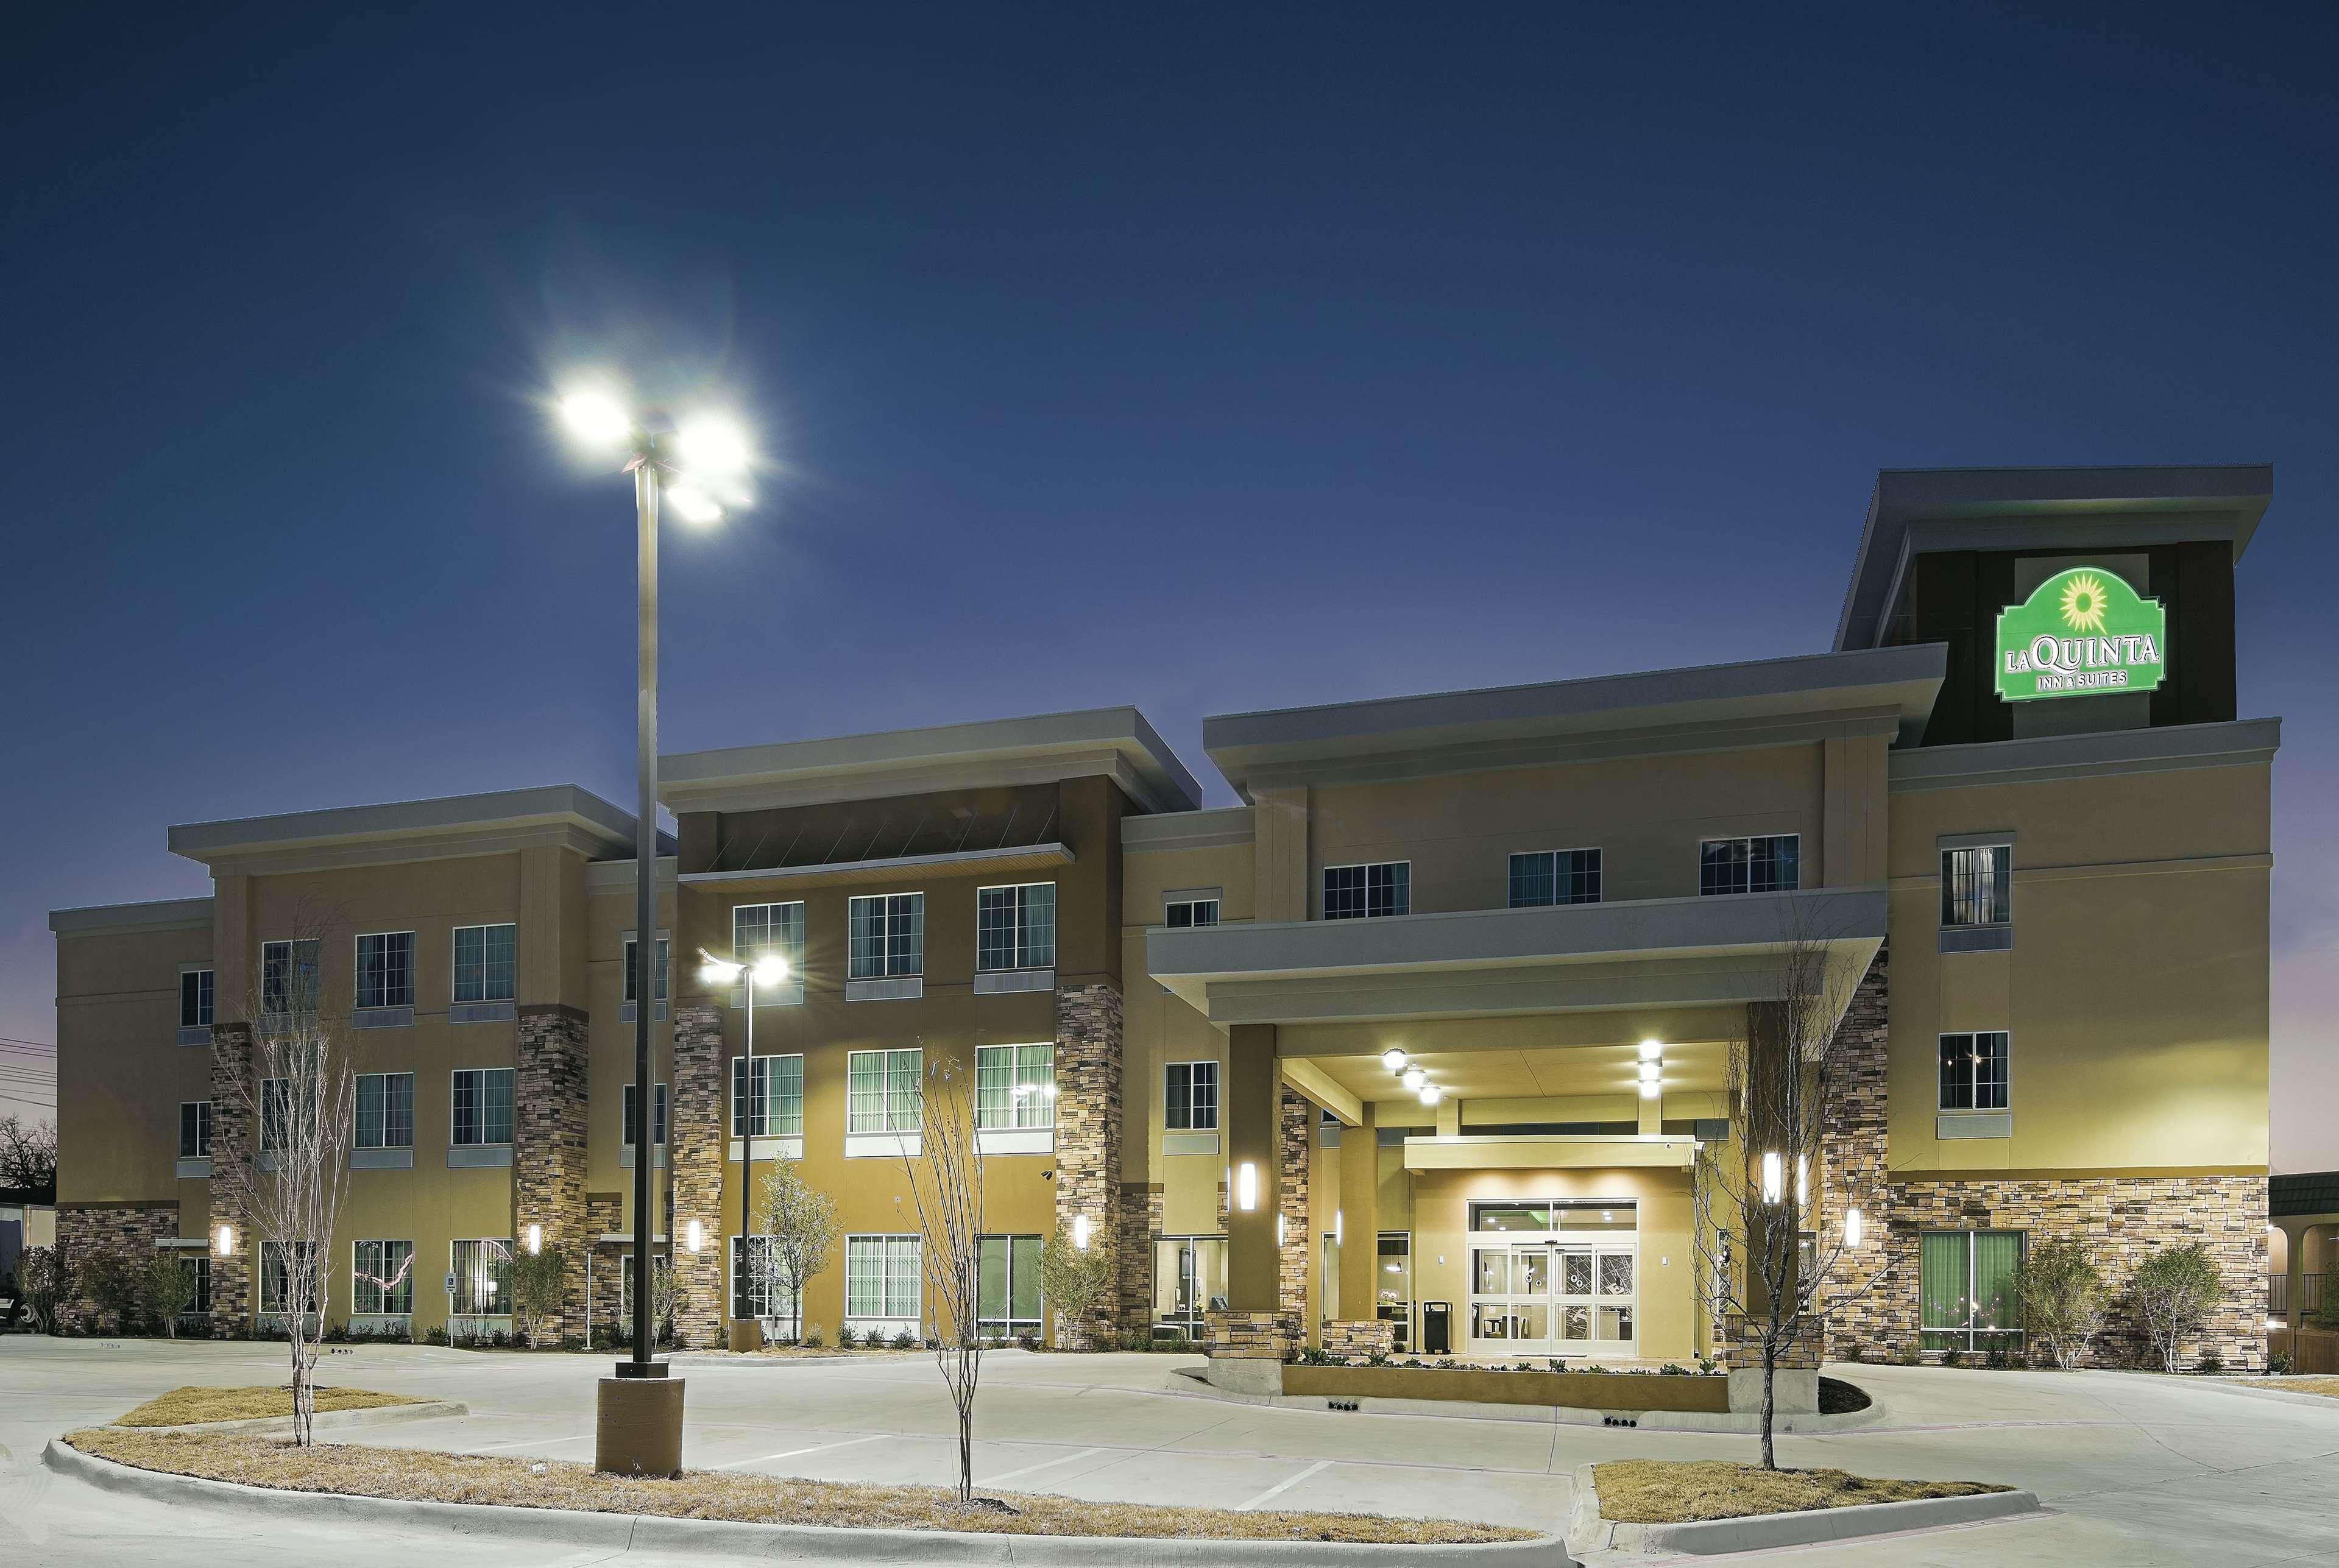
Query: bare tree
946	1187
800	1230
28	1158
1759	1188
298	1090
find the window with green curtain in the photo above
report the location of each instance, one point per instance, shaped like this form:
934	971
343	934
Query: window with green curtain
1944	1267
1007	1284
1967	1289
1996	1254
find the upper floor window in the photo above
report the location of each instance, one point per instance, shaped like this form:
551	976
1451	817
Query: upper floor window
1974	1070
884	1092
627	1127
195	1129
774	1107
288	975
487	962
1355	892
1014	1086
1554	876
483	1106
386	969
1180	913
385	1114
889	935
1015	927
633	971
195	992
1190	1097
1772	863
768	929
1977	885
277	1126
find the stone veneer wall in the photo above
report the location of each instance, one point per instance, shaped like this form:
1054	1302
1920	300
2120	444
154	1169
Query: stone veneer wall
697	1148
1087	1139
605	1212
1741	1344
1363	1336
1247	1335
548	1113
87	1231
1140	1229
234	1143
1853	1164
1295	1114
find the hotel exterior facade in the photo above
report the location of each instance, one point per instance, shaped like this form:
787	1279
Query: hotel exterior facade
2013	804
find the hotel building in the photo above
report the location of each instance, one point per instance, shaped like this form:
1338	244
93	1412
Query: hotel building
2013	802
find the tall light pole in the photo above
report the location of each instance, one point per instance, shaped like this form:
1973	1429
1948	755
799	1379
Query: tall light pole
642	1432
769	970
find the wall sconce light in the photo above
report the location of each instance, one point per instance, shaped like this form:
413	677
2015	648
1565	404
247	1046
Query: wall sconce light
1280	1229
1803	1185
223	1241
535	1239
1079	1233
1773	1177
694	1238
1393	1059
1338	1227
1851	1228
1650	1049
1247	1187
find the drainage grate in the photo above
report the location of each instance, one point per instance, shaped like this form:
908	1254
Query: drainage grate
1339	1404
1620	1421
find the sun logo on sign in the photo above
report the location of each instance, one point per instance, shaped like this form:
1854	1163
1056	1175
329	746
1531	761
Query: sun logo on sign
2083	601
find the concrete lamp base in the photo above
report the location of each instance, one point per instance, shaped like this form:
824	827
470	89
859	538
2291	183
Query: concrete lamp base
638	1429
746	1334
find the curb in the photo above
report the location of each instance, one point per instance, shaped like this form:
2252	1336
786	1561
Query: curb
1728	1423
1588	1532
727	1538
326	1420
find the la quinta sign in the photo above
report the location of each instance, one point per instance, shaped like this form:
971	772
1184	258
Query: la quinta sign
2083	632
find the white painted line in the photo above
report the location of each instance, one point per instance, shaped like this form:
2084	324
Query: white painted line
1043	1465
1281	1487
527	1443
792	1453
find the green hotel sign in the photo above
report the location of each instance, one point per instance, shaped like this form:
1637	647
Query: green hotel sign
2083	632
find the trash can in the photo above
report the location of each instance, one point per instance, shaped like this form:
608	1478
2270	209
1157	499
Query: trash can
1437	1328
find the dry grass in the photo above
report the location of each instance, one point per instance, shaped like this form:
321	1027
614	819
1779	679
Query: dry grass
802	1352
425	1477
2326	1387
1676	1491
185	1406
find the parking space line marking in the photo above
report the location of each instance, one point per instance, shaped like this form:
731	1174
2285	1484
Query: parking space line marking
527	1442
1043	1465
1281	1487
792	1453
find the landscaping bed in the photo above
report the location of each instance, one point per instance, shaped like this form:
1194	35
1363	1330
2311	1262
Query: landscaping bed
1677	1492
416	1476
194	1404
1700	1393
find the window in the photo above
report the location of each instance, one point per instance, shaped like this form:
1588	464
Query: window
1554	876
486	960
628	1128
883	1091
756	1289
275	1114
1977	885
482	1278
881	1277
1189	1279
1356	892
1974	1070
1007	1284
195	1129
381	1277
661	1265
775	1110
386	970
385	1111
762	929
633	982
1966	1287
1189	1099
277	1285
889	935
1771	863
483	1105
1015	927
1179	915
288	975
1014	1086
200	1265
195	999
1393	1285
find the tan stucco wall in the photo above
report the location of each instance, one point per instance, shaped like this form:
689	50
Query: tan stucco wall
120	1076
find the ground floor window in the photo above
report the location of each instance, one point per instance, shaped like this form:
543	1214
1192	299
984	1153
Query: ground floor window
381	1277
1966	1287
1189	1279
277	1261
882	1281
482	1272
1393	1286
661	1273
201	1305
757	1289
1329	1295
1007	1284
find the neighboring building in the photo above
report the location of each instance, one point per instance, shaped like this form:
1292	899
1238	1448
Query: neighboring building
1176	1018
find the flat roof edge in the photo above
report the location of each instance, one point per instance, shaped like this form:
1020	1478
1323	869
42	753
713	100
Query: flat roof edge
202	841
152	914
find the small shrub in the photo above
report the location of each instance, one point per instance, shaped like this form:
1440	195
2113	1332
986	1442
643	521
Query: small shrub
905	1340
2062	1299
812	1337
1707	1364
2278	1366
847	1338
1998	1359
1910	1355
1378	1358
437	1335
1027	1340
1592	1366
2173	1291
1447	1363
1856	1353
1953	1357
2211	1363
1671	1369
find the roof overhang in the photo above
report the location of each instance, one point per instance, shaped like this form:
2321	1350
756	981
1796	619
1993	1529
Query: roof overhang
492	823
1116	743
1550	1152
116	919
1921	511
964	863
1706	707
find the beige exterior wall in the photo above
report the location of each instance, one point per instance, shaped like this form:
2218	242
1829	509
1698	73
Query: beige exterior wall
120	1076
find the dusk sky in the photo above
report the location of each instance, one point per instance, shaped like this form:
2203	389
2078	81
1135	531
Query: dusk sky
1204	360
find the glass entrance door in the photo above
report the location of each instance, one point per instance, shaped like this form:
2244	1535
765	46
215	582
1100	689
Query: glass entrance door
1554	1295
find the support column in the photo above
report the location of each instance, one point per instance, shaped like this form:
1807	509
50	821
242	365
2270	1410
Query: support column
1252	1115
234	1145
697	1143
1854	1158
549	1153
1296	1249
1360	1215
1087	1139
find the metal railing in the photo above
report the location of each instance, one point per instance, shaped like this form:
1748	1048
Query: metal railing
2310	1297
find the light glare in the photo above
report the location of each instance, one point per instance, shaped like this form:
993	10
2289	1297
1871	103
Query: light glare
712	444
1851	1229
596	418
1650	1071
1431	1094
693	505
1652	1048
1079	1233
1247	1187
1414	1078
1393	1059
1773	1178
